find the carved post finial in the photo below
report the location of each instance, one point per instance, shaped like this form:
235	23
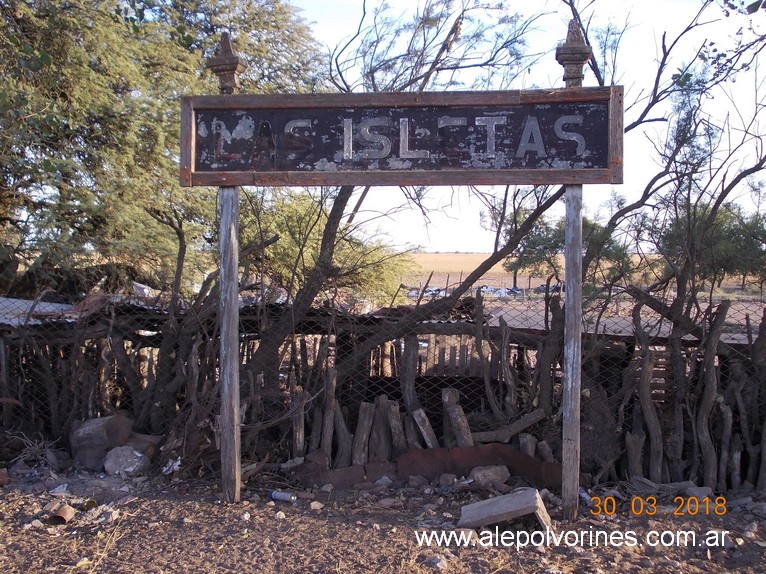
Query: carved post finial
227	65
573	55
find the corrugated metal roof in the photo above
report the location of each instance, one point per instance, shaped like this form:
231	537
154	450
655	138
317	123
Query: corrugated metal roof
19	312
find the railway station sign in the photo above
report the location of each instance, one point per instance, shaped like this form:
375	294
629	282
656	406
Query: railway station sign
558	136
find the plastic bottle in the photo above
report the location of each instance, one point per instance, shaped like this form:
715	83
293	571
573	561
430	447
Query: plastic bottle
282	495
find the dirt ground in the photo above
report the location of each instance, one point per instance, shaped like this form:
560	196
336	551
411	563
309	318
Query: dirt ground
158	525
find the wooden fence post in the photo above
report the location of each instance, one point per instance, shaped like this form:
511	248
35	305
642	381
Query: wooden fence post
227	66
572	55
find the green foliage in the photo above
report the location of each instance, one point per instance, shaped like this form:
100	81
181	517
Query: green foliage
540	252
89	126
362	269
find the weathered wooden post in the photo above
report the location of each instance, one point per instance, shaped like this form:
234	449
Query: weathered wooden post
228	66
572	55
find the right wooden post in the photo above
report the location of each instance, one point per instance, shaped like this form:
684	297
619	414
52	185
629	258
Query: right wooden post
572	55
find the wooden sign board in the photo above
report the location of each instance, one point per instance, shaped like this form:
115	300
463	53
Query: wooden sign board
562	136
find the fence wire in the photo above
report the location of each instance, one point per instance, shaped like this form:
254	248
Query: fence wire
646	376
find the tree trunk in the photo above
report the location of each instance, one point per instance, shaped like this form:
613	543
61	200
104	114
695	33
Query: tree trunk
653	426
709	393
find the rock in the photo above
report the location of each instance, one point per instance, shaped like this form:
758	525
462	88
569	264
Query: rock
280	515
737	502
417	481
377	470
125	461
699	492
489	476
146	444
447	479
438	562
757	508
384	482
390	502
60	490
20	469
92	439
316	505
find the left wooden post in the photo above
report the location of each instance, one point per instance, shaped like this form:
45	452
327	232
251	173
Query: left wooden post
573	55
228	66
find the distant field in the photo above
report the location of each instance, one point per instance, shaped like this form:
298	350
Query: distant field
449	268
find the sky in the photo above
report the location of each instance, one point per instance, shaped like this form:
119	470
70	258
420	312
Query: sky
454	215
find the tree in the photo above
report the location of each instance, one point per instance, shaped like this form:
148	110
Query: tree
364	269
83	129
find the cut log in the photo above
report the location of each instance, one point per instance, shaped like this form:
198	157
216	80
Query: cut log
409	372
528	443
727	422
425	428
634	446
360	448
298	423
545	452
345	441
520	502
735	462
506	433
450	397
316	428
398	437
380	437
411	432
328	416
460	425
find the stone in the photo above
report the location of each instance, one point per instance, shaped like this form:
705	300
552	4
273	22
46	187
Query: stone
737	502
146	444
384	482
438	562
447	479
20	468
92	439
489	476
417	481
390	502
125	461
757	508
377	470
699	492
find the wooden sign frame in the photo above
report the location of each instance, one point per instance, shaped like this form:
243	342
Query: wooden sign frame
524	137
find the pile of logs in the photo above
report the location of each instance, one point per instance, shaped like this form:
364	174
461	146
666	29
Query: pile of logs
384	430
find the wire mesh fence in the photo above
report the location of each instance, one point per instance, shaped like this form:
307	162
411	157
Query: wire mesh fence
666	396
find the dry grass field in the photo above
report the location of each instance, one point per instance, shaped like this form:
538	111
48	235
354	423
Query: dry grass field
450	268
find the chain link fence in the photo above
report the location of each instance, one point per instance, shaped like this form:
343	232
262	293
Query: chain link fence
661	393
